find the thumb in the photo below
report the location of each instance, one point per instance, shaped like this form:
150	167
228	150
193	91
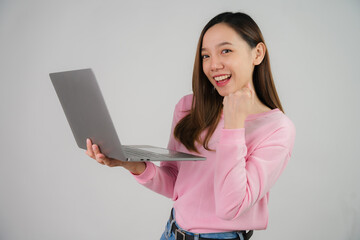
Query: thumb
250	90
248	85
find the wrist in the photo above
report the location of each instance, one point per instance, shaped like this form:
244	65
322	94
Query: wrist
136	168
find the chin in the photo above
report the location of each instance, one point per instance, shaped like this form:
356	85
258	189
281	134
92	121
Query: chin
222	94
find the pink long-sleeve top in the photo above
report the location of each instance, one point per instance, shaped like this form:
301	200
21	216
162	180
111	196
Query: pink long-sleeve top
230	190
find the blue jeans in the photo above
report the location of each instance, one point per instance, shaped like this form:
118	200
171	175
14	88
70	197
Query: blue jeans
168	235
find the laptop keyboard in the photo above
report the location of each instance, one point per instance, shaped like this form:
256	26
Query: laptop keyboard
142	154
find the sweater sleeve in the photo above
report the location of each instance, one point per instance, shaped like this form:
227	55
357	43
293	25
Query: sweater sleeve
242	179
162	179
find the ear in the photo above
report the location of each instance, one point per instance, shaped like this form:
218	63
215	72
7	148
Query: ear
259	53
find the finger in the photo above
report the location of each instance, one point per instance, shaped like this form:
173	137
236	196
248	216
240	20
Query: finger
95	148
247	87
89	150
251	88
247	90
100	160
252	93
99	157
107	162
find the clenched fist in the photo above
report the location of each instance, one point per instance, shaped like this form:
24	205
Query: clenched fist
237	106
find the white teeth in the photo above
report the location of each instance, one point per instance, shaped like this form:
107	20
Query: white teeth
221	77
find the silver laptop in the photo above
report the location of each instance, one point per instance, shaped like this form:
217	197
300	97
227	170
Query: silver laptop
88	117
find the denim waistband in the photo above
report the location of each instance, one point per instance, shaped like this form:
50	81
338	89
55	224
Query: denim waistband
221	235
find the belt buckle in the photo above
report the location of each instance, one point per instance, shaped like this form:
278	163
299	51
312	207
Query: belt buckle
181	234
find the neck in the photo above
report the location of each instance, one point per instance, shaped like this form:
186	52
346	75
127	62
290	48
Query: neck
259	107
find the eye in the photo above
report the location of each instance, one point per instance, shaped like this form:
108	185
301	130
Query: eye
226	51
204	56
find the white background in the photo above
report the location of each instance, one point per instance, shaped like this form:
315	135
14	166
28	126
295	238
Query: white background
142	53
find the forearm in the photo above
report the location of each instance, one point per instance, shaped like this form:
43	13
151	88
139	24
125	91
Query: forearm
230	175
242	178
159	179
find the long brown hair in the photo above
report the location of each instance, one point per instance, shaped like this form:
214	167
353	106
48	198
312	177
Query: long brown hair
206	108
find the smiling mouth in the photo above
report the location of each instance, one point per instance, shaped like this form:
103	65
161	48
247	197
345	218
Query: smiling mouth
222	78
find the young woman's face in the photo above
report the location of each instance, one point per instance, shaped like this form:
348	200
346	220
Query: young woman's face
228	61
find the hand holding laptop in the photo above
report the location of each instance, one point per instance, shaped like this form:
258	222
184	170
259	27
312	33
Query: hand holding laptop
93	151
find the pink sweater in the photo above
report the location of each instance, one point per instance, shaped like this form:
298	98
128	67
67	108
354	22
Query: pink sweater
230	190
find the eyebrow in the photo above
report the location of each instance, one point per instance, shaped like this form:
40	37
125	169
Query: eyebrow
219	45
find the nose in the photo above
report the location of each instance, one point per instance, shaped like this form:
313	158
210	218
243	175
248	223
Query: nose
215	64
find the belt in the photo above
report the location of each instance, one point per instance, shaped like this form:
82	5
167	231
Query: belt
181	235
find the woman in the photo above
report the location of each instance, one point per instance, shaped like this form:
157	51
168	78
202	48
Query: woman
234	118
